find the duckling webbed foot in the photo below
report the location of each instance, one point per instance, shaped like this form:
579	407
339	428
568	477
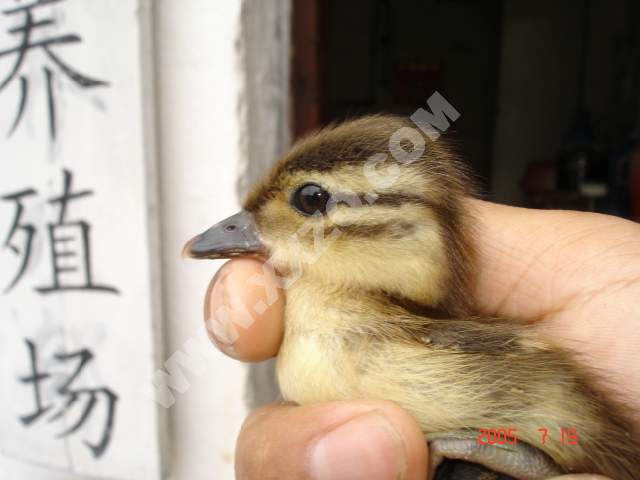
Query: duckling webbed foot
520	461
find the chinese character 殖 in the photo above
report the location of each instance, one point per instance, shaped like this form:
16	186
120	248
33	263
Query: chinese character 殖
69	242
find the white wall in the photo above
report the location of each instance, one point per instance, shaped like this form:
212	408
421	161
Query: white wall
265	114
102	140
198	87
197	110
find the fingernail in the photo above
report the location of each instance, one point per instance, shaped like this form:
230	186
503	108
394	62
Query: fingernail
366	447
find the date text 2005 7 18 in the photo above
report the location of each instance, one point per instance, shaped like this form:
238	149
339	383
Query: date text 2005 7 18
509	436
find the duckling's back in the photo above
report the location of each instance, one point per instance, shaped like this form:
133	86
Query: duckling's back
452	375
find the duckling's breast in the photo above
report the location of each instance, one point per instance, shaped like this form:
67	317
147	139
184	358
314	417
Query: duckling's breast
316	363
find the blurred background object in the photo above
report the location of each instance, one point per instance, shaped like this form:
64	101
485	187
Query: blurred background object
546	90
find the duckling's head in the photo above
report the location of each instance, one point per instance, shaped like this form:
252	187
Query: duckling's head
370	205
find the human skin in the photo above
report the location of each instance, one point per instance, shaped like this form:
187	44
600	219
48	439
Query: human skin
574	276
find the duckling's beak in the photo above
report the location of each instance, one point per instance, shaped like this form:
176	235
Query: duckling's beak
237	235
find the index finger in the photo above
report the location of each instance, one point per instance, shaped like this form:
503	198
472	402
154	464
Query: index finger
534	263
244	310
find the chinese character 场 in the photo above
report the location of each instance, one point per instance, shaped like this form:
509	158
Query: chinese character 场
69	243
26	43
70	396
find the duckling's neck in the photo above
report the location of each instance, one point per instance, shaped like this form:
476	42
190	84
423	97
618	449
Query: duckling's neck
319	308
320	318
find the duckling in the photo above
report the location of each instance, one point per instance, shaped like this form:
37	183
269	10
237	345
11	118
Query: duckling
380	263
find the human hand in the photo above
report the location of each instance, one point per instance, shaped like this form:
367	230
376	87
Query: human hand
576	276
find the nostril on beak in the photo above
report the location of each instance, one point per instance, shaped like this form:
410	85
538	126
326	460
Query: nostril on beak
236	235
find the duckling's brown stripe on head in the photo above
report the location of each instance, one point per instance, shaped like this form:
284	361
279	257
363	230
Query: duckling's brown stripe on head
330	157
398	199
386	199
393	229
392	199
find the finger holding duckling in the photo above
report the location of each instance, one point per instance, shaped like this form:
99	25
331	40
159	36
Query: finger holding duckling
355	440
242	319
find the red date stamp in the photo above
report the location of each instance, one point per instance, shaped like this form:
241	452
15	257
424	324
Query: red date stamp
497	436
509	436
569	436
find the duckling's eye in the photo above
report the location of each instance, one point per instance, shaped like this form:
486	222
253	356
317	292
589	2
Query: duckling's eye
310	198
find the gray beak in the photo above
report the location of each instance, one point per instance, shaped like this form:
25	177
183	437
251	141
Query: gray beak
237	235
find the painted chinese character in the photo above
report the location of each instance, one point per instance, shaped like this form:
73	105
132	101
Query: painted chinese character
70	396
23	251
27	43
36	377
70	246
69	243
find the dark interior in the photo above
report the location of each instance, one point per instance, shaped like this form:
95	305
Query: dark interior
548	91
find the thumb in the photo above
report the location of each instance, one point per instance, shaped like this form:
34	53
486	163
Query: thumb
580	477
333	441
